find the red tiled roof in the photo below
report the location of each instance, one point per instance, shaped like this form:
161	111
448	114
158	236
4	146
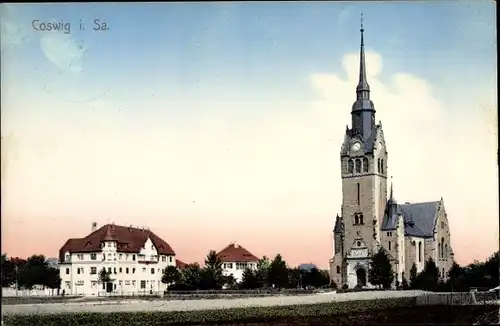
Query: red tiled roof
236	253
180	264
129	240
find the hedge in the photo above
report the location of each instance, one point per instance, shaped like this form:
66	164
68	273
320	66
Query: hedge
233	315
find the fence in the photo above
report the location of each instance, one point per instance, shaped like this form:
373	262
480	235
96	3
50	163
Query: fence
10	292
458	298
205	293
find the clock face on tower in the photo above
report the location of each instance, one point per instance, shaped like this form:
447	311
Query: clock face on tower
355	146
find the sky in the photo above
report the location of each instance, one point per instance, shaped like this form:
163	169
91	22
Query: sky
211	123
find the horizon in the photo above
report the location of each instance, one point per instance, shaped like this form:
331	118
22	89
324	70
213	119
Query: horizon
223	122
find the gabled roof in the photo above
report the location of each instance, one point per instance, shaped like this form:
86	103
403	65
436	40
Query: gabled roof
129	240
180	264
419	218
236	253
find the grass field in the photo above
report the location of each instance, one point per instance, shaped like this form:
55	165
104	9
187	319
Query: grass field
386	311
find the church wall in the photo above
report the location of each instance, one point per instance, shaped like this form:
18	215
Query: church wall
411	244
442	231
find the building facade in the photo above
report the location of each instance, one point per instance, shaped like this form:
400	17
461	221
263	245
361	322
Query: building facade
135	259
371	220
235	259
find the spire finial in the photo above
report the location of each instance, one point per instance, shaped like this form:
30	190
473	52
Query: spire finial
362	84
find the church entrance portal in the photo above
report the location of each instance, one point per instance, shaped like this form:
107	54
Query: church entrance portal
361	275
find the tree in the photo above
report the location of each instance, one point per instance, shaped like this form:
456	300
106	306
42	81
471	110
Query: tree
381	272
404	283
413	276
262	272
278	272
170	275
428	279
249	280
190	277
295	278
104	276
8	271
33	272
212	277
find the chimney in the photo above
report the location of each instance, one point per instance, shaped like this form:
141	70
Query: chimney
236	245
94	227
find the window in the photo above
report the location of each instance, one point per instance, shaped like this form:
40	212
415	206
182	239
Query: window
365	164
338	269
358	243
120	256
133	270
378	165
439	250
79	270
389	234
361	219
382	165
152	247
126	270
93	256
229	265
170	259
143	284
442	224
445	251
389	245
109	270
356	219
93	270
144	269
133	257
358	165
93	284
350	166
358	193
442	247
120	270
126	256
443	273
152	270
163	258
420	251
114	270
103	256
67	271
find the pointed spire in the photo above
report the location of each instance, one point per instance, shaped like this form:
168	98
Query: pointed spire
363	83
392	193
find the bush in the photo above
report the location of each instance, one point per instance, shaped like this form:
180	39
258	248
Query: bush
233	316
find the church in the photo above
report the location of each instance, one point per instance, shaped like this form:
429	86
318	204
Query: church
370	220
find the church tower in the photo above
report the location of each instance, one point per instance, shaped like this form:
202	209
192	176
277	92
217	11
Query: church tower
363	158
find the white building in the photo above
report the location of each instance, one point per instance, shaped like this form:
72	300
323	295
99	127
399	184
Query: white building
235	259
135	258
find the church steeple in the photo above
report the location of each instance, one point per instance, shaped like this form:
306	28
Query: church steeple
363	111
363	86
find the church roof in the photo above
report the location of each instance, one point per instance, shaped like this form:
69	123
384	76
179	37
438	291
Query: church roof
419	218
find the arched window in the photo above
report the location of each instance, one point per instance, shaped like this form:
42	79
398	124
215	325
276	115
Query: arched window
378	165
382	166
338	269
443	273
420	251
350	166
356	219
365	164
358	243
439	250
445	251
361	219
389	245
442	247
358	165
